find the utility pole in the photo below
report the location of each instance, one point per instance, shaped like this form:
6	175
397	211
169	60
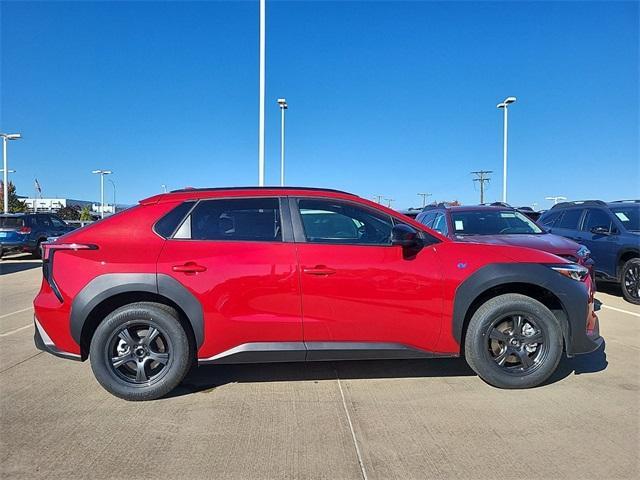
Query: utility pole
378	198
482	177
424	198
389	200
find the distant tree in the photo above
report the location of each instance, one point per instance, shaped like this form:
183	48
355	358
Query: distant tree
85	214
71	212
15	204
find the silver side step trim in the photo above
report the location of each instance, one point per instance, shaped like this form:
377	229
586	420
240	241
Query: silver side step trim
266	352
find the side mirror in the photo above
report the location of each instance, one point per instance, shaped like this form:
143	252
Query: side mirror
406	237
600	230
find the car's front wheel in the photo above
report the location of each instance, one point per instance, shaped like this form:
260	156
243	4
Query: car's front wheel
513	341
630	281
140	352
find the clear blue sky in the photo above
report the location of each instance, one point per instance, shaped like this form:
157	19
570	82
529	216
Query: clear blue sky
388	98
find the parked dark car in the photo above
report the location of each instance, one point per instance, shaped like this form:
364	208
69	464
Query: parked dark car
501	225
25	232
410	212
611	231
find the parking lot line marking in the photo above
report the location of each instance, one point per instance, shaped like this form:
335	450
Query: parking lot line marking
17	311
353	433
621	310
15	331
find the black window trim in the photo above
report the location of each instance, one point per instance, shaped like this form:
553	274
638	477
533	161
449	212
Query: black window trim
300	237
285	220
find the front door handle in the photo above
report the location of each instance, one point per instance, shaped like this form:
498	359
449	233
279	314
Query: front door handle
189	268
318	270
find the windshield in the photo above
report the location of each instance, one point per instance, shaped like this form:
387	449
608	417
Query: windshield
629	215
492	222
11	222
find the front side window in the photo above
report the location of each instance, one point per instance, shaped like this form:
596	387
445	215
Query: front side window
244	219
326	221
44	221
596	218
492	222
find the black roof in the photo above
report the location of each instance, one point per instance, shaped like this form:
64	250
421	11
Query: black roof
213	189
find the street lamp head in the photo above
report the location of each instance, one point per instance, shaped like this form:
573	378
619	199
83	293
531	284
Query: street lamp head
507	101
102	172
11	136
283	103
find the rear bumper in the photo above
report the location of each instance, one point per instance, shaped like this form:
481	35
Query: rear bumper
13	246
43	342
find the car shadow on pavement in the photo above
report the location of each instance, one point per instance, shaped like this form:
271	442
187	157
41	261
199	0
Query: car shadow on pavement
13	267
209	377
609	288
593	362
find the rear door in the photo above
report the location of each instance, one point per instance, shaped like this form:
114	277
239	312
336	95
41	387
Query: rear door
356	286
236	255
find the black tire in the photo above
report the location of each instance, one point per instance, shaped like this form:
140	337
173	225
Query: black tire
513	341
37	253
630	281
131	366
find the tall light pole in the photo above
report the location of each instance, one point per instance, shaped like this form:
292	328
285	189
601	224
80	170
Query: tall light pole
556	199
164	188
5	169
263	8
424	198
114	194
102	173
283	106
504	106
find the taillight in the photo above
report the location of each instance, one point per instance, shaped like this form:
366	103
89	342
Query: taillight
25	230
48	250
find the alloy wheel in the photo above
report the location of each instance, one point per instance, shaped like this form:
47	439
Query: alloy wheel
516	344
140	353
632	281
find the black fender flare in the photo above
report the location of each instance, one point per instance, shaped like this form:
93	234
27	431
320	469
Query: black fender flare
110	284
573	296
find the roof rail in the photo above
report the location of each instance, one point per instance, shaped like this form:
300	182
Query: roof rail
210	189
580	203
626	201
437	205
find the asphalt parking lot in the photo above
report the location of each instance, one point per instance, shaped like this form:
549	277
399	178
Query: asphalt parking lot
343	420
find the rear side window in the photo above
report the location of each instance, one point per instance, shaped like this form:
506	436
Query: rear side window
570	219
547	219
440	224
168	224
248	219
427	219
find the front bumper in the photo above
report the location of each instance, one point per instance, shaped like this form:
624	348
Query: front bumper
44	343
583	335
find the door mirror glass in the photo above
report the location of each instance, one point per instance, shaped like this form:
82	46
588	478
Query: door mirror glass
406	237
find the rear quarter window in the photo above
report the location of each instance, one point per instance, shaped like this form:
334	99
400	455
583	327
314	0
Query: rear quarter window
171	220
11	222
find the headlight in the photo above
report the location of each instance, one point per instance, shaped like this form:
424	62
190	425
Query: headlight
583	252
572	270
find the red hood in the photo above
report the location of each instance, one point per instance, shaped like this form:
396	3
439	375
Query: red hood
546	242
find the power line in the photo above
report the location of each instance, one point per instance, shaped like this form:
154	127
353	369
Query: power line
424	198
482	177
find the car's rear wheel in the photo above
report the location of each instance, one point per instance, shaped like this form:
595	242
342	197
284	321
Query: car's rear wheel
513	341
37	253
140	352
630	281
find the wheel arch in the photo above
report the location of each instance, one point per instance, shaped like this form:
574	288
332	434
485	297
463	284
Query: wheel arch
499	279
624	255
108	292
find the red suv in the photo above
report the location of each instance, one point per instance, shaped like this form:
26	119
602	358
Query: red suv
237	275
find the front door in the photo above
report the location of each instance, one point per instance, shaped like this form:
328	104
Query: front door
231	254
356	286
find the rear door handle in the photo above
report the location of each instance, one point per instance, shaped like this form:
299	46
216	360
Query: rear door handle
189	267
318	270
